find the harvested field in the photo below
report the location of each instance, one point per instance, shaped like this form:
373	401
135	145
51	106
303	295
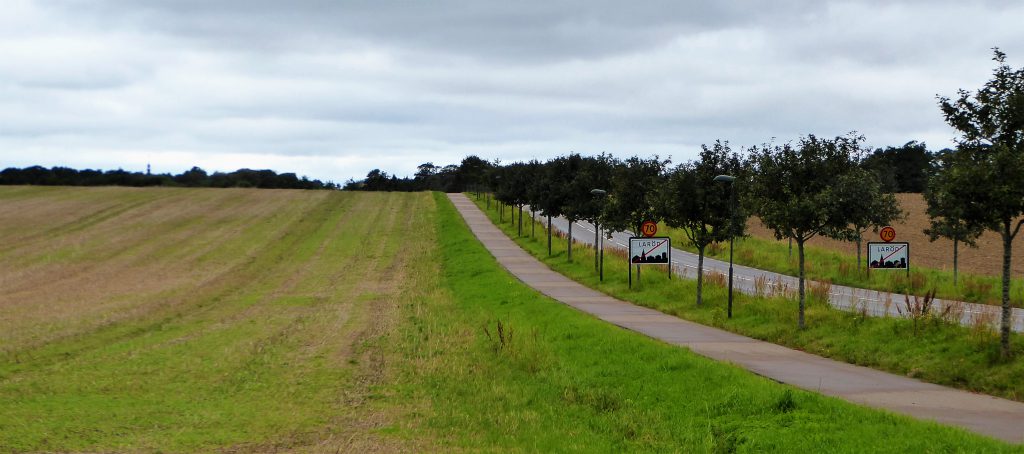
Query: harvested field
197	319
987	258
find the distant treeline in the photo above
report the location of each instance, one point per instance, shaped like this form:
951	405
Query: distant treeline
900	169
429	177
195	177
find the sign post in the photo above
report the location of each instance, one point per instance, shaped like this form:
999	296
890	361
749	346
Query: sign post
649	251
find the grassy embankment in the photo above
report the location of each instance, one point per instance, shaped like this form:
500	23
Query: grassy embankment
200	320
929	349
565	381
841	268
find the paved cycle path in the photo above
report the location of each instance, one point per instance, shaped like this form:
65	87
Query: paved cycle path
995	417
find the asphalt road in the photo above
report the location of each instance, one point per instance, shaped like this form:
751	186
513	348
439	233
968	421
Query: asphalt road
746	279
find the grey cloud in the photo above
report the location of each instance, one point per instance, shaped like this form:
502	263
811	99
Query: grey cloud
516	31
348	86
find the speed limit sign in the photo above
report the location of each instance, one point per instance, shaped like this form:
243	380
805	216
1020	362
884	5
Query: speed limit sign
888	234
648	228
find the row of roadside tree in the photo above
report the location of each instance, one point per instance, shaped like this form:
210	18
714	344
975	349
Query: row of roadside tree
814	186
802	189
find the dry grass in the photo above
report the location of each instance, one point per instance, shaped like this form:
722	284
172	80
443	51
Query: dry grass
781	288
846	269
715	248
715	278
986	259
819	291
984	322
917	309
952	312
886	302
975	289
761	285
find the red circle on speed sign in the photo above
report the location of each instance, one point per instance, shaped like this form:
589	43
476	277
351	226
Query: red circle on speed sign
888	234
648	228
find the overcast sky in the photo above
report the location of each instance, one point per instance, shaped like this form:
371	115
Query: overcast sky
332	89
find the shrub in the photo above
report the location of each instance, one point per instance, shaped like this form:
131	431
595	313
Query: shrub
917	309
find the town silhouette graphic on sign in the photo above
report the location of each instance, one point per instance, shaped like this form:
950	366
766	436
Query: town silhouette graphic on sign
661	258
902	263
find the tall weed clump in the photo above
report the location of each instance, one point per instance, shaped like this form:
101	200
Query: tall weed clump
525	352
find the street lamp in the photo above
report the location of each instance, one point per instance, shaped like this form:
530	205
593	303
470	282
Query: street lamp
732	231
501	206
598	241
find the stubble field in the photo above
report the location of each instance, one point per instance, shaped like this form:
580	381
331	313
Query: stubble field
986	259
182	319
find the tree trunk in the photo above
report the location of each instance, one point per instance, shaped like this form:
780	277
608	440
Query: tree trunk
549	235
800	253
700	275
520	220
501	212
570	241
859	239
790	248
533	222
1004	326
956	255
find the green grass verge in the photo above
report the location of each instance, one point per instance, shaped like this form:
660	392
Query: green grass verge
841	268
934	351
563	381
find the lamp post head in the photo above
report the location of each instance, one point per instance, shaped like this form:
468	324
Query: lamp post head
725	178
598	192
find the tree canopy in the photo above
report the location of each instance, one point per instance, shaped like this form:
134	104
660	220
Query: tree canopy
693	202
984	173
814	188
631	197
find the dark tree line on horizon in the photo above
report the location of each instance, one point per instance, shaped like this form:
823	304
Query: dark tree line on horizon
193	178
900	169
428	177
